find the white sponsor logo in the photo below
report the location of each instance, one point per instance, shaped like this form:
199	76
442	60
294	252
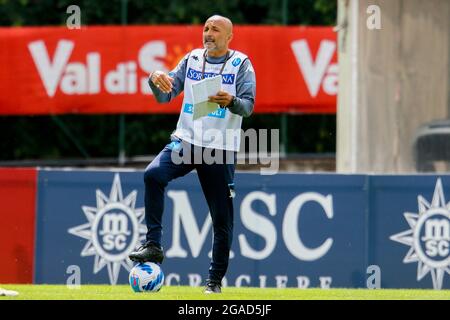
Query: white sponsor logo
84	77
245	280
429	237
78	78
318	72
113	230
196	235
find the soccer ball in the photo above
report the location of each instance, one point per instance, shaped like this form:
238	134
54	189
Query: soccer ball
146	277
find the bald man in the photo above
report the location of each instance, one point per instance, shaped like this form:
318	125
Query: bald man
207	135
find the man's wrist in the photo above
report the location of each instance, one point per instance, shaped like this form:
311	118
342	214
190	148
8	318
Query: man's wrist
233	101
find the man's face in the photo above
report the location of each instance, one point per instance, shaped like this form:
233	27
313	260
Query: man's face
216	35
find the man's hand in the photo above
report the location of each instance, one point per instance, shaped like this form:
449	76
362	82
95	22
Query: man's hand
222	98
162	81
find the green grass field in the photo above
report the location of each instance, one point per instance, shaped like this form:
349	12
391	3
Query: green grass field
123	292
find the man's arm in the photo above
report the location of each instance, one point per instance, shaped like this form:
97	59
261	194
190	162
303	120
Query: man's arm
244	101
177	84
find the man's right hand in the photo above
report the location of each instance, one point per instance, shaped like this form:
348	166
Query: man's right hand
162	81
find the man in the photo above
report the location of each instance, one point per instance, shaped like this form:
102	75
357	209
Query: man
235	100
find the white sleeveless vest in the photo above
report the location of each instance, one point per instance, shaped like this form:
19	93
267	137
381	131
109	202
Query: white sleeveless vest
220	129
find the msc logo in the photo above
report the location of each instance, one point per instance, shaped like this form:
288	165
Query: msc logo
113	230
429	237
436	235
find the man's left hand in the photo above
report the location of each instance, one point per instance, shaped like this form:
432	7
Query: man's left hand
222	98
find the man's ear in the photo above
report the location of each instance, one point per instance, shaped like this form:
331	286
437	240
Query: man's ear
230	37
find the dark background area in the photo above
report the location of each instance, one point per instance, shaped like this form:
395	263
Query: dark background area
96	136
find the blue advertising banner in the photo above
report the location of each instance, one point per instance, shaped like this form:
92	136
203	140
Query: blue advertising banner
290	230
410	230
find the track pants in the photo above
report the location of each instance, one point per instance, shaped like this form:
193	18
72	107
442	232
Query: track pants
217	184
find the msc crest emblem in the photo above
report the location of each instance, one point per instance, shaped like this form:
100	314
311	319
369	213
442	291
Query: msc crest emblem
429	237
113	230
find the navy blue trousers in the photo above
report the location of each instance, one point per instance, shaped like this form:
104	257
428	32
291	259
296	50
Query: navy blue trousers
216	181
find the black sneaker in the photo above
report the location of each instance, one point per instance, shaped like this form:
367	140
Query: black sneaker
213	287
148	252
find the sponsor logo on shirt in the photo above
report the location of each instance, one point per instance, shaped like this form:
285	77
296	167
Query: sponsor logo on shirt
219	113
197	76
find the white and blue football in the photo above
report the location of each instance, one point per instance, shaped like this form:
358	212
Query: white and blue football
146	277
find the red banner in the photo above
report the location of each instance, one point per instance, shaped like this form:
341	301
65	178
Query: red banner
17	213
54	70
